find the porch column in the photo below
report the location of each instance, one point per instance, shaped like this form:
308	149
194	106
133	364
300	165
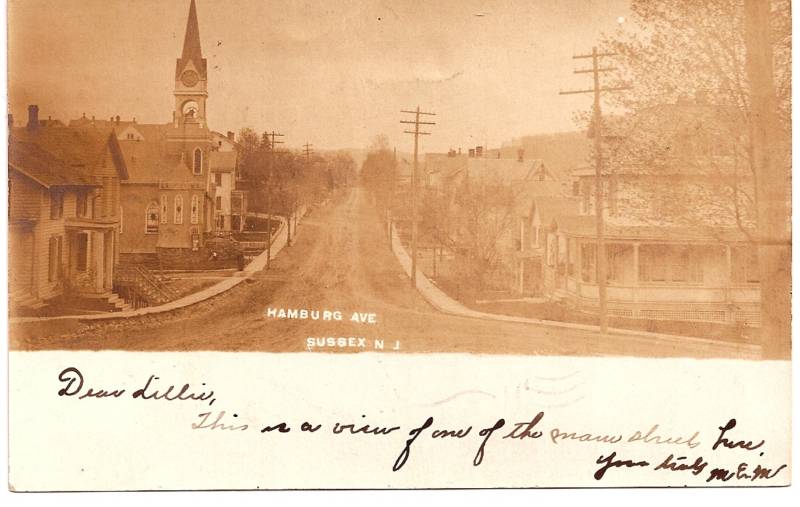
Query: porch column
98	258
108	255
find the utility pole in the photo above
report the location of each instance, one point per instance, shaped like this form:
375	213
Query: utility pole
416	132
272	135
600	249
307	148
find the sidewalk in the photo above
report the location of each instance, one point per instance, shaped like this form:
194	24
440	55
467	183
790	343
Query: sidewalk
256	265
445	304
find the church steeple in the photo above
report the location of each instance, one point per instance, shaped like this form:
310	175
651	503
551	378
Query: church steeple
192	55
191	77
191	41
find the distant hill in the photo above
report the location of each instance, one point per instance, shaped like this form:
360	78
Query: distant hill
561	152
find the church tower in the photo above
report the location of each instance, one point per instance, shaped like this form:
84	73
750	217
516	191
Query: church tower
191	78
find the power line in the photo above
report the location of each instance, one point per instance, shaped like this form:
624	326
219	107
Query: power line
416	133
600	249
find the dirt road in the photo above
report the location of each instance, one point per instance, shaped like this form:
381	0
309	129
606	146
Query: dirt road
341	261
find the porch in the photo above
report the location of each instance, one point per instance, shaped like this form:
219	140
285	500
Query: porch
658	280
91	251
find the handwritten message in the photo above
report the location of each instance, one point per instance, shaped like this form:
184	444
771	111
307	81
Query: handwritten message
696	452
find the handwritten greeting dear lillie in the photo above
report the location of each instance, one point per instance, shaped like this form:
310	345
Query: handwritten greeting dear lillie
691	453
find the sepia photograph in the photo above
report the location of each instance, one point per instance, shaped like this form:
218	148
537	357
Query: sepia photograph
467	181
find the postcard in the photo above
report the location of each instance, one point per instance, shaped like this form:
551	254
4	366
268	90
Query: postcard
392	244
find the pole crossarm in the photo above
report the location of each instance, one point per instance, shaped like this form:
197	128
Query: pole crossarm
589	71
418	112
593	55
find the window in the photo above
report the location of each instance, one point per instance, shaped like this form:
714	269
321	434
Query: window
744	265
197	166
164	204
671	264
195	209
218	179
82	253
219	202
586	193
54	265
552	244
56	205
571	258
618	255
106	197
82	205
152	218
178	213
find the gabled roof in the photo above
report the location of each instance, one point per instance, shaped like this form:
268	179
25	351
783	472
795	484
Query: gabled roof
83	150
505	169
44	168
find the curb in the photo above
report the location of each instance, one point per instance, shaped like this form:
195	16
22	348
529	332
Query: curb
445	304
256	265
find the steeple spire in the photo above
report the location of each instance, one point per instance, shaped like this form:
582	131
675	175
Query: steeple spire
191	42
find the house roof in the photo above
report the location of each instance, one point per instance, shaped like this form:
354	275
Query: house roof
551	207
586	226
83	151
44	168
504	169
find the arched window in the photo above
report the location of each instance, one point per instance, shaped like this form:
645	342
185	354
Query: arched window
151	218
197	166
178	209
164	204
195	209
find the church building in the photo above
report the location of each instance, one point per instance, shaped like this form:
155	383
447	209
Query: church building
168	201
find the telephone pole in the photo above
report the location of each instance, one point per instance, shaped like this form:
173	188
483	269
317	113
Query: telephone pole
416	132
600	249
308	150
272	135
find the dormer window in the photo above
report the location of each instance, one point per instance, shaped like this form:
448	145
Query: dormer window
197	166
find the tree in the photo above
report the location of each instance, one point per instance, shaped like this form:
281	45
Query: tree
378	173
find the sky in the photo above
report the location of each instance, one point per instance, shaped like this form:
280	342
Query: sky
333	74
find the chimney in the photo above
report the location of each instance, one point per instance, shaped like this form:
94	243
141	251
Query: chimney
479	151
472	153
134	119
459	150
521	155
231	135
117	119
33	117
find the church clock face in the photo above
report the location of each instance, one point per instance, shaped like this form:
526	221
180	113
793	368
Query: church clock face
190	109
189	78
